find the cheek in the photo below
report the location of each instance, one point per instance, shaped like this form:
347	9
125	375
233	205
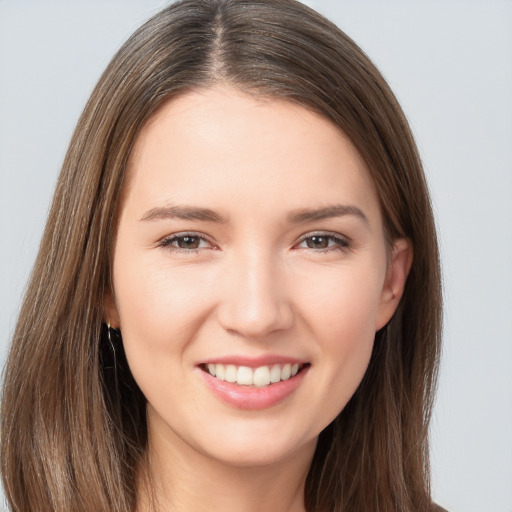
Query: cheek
154	292
343	303
160	313
347	342
159	308
341	316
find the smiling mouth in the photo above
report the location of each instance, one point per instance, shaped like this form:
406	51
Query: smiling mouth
259	377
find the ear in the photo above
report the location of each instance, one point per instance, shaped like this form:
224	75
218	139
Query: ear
110	313
394	284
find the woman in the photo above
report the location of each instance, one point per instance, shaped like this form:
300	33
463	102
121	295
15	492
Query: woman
236	300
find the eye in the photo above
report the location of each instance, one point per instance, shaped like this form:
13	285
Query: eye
323	242
186	242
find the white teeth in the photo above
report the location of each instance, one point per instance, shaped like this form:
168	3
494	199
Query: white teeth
260	377
231	373
244	376
275	373
220	371
286	372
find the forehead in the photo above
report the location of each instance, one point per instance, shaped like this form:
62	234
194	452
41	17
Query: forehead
225	148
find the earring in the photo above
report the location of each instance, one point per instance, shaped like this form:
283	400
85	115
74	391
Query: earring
110	328
112	332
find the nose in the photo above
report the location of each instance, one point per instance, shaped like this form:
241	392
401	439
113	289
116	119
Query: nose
255	300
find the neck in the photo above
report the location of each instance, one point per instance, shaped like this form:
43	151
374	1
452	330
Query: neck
181	479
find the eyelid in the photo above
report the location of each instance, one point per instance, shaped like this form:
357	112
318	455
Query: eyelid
344	242
166	242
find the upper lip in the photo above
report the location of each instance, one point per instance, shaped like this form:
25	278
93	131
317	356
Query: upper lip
254	362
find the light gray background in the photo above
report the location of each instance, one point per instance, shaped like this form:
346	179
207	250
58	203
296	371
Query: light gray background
450	64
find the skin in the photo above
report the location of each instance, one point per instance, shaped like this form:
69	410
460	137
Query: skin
257	283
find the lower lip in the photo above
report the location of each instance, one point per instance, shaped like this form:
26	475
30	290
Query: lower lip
248	397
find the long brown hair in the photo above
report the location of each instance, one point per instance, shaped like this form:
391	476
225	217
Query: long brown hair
73	420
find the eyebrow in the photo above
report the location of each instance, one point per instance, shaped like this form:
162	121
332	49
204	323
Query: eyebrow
339	210
184	213
299	216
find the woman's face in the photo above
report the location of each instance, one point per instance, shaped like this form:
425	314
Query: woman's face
250	246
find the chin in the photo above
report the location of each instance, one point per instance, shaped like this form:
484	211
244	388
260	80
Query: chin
247	450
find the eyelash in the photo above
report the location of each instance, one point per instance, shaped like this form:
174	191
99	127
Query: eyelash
339	243
166	243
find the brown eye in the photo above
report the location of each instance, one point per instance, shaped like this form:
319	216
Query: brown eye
323	242
317	242
188	242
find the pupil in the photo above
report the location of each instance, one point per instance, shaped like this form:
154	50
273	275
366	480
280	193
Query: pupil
317	242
